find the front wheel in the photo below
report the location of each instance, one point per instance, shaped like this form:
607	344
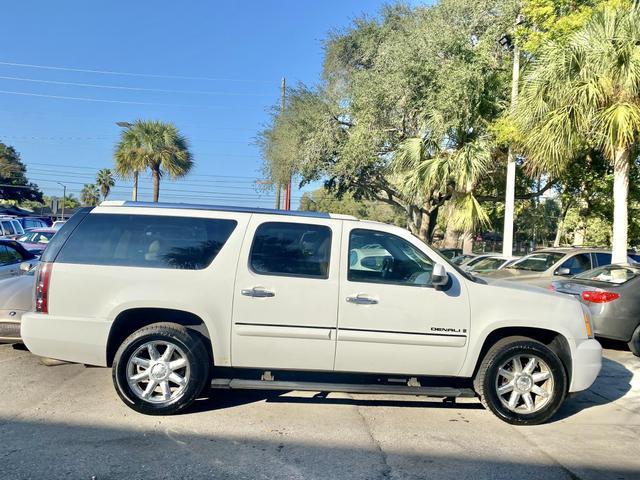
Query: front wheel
161	369
522	381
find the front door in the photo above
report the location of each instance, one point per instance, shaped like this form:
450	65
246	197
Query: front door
286	294
390	319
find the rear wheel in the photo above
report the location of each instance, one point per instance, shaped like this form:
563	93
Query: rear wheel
161	369
522	381
634	344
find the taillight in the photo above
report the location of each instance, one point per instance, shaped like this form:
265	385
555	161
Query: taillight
595	296
42	287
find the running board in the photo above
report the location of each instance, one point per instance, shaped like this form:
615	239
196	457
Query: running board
237	383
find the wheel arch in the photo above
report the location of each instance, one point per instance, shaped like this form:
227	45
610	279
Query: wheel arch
132	319
556	341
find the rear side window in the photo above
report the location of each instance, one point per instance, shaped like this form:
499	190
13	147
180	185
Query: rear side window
9	255
147	241
291	249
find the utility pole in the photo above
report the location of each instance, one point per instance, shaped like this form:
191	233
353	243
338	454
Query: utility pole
510	194
64	197
283	87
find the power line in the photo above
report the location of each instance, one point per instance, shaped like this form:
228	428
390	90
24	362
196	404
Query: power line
131	74
137	89
101	100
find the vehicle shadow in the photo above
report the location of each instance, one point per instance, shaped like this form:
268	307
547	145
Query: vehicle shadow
613	383
223	399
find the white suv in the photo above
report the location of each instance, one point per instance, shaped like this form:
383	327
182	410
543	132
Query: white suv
179	297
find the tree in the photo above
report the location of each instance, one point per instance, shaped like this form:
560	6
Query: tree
434	74
587	93
13	179
89	195
104	181
321	200
156	146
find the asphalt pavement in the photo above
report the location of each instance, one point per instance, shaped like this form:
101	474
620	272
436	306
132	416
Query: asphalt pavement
67	422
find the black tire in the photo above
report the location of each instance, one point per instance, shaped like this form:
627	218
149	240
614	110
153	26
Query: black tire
187	344
488	377
634	343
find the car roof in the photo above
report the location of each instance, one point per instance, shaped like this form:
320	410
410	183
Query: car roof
225	208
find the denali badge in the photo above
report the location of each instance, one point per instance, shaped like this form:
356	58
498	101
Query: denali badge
448	330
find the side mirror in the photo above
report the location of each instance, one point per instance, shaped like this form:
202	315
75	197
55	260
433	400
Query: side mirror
563	271
25	267
439	276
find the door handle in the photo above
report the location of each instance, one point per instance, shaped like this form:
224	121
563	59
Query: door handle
257	292
362	299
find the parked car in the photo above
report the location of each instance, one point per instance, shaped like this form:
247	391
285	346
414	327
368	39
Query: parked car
542	267
450	253
490	263
29	223
16	298
612	294
177	298
36	240
12	256
10	227
57	224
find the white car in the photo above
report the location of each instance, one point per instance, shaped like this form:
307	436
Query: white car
176	298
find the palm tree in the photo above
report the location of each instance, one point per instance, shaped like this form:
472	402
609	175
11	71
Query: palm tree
89	195
584	94
452	172
104	181
156	146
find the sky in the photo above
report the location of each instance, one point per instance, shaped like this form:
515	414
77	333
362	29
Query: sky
211	67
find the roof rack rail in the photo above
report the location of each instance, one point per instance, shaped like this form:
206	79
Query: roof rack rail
225	208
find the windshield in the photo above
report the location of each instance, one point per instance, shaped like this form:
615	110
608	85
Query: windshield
610	274
490	263
537	262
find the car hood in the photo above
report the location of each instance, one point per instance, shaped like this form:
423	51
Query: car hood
17	293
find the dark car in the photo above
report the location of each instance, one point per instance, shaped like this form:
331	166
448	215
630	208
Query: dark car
29	223
612	294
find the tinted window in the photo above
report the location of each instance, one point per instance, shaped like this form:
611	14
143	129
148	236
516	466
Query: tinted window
380	257
8	228
603	258
9	255
146	241
17	227
537	262
294	249
578	263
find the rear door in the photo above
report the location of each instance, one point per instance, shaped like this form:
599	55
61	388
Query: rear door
286	293
390	319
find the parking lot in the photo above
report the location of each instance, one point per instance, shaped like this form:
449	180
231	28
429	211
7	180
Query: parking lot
66	422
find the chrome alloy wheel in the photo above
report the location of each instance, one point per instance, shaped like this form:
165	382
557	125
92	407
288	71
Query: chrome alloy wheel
524	384
158	372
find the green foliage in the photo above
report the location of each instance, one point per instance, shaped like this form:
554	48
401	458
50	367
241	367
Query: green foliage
153	145
89	195
435	74
323	201
13	176
104	181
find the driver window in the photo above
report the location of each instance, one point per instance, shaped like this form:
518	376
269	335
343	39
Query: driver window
379	257
577	264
